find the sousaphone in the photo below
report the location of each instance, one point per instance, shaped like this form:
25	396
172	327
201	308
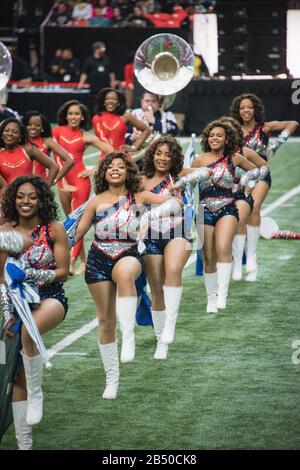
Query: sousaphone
164	65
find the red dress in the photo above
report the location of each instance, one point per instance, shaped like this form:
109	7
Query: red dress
38	168
71	140
14	163
111	128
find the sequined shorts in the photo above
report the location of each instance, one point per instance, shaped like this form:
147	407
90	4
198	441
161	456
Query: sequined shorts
56	291
241	196
268	180
99	266
211	218
157	246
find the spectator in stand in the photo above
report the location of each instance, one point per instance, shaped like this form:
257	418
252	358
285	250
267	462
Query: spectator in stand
69	67
97	70
117	19
102	9
158	120
137	19
82	12
98	20
61	16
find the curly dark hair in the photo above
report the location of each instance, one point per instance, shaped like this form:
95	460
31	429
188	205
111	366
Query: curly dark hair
46	126
133	180
237	127
48	209
85	124
175	149
100	98
231	144
259	109
23	132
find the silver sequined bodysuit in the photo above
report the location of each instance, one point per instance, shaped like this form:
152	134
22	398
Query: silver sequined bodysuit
216	192
168	223
116	227
257	140
40	254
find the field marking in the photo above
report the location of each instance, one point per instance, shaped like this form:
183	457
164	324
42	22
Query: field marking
71	338
85	329
284	257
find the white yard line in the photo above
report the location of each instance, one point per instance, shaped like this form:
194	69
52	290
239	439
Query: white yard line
85	329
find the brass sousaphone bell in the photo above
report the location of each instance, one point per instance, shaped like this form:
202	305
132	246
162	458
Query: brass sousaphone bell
163	65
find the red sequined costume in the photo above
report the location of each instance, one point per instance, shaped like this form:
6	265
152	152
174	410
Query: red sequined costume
72	141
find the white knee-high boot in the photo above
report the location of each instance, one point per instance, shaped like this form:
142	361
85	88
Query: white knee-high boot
224	274
159	318
110	360
238	246
22	430
126	309
172	297
33	367
252	239
211	286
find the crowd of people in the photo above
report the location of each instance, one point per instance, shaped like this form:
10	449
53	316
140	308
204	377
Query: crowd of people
138	219
123	13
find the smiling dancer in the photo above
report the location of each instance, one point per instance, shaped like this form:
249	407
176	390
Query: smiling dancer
40	133
168	245
219	141
249	111
29	207
114	262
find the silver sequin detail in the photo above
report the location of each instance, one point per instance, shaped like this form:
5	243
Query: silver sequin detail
113	248
214	204
11	241
256	145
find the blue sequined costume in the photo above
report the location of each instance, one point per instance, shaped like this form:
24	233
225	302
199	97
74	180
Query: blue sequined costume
216	192
115	238
40	256
162	231
258	140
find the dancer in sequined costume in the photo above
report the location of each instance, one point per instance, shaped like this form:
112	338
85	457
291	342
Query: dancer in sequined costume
249	111
29	207
244	202
114	262
219	142
74	120
168	246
